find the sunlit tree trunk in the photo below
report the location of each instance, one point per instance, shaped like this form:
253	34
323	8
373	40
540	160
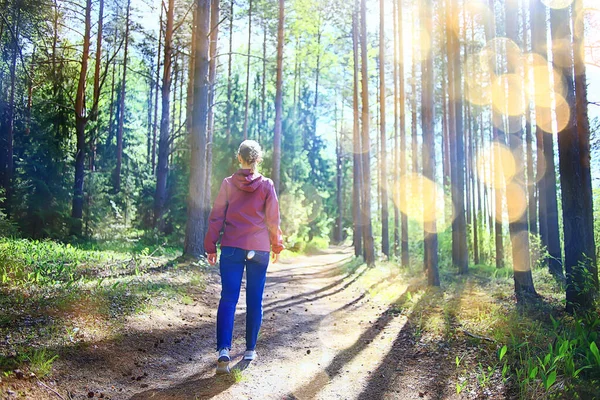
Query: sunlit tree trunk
583	133
156	80
369	246
427	117
459	224
162	165
117	171
228	107
490	33
245	130
576	204
547	197
212	77
385	229
276	175
80	124
356	139
196	227
516	191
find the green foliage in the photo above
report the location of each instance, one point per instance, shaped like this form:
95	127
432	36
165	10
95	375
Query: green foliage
41	361
25	261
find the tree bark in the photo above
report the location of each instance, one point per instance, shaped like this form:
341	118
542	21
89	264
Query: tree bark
547	197
356	139
583	133
369	246
575	202
162	165
516	189
117	171
80	124
427	118
196	227
459	225
245	130
385	229
212	77
276	175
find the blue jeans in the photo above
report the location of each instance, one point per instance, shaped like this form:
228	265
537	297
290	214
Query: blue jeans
232	263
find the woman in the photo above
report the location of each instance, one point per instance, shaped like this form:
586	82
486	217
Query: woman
246	213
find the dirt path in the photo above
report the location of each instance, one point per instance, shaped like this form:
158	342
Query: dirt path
328	333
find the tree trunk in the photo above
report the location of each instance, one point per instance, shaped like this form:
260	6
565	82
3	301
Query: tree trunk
385	229
162	165
583	133
369	246
356	139
248	70
276	175
10	117
427	118
157	86
263	103
196	228
458	195
516	193
547	197
117	171
212	77
580	272
229	64
80	123
338	234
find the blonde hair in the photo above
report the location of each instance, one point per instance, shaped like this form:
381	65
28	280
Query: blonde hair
251	153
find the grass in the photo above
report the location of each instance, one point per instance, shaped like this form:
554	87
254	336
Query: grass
62	296
40	362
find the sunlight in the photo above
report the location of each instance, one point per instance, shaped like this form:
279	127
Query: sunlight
477	78
547	119
547	80
516	197
500	47
423	202
500	155
507	95
557	4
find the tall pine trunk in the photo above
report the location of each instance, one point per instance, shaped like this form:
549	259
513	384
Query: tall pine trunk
196	227
120	128
369	245
245	130
162	165
385	229
80	124
356	139
516	193
276	175
212	77
427	118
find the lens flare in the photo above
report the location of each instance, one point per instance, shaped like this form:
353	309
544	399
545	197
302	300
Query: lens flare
422	198
504	165
557	121
477	77
516	201
503	47
546	80
507	95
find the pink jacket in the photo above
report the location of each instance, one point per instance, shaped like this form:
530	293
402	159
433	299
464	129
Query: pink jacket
246	212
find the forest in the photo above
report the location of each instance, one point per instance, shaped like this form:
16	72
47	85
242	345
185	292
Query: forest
435	163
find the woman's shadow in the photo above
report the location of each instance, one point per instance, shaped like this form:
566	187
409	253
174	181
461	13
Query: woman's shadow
195	387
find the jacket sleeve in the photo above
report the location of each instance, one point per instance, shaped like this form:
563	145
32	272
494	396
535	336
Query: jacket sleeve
216	220
273	220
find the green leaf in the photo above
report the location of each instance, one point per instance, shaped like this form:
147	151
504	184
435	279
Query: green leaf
533	373
551	379
595	352
502	353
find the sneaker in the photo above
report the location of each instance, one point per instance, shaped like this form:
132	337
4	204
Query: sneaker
249	355
223	362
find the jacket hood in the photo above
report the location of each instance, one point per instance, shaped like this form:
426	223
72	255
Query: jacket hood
246	180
